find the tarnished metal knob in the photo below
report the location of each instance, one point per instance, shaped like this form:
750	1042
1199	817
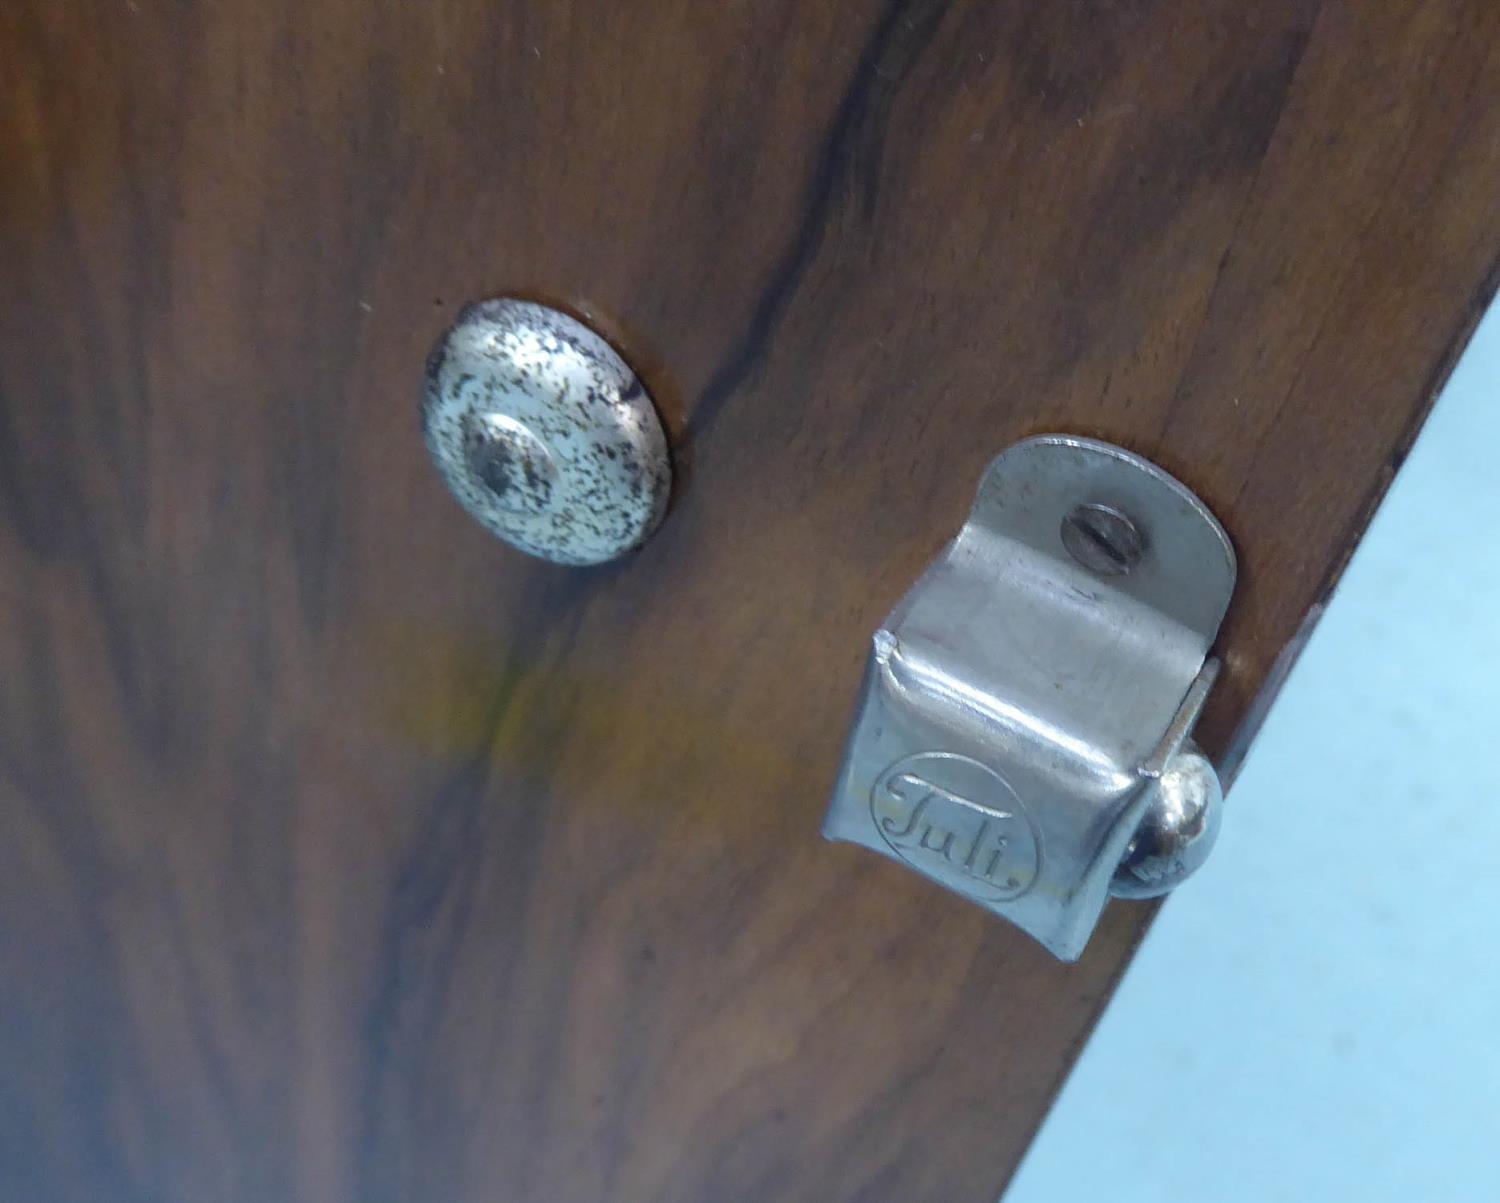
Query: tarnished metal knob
544	434
1177	831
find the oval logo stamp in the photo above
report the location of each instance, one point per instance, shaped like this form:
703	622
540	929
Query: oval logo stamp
957	820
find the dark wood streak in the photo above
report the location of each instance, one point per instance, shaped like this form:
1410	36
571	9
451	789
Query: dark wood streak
430	908
348	856
46	770
847	170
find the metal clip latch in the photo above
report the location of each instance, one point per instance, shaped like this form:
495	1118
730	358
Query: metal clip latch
1022	734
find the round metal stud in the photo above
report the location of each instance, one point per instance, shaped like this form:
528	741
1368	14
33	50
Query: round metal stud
544	434
1178	830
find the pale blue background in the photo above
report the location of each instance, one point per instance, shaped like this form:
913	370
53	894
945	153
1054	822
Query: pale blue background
1317	1015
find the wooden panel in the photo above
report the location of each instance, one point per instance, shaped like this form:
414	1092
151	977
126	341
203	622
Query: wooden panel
349	856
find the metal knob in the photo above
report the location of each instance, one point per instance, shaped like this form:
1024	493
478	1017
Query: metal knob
1178	830
544	434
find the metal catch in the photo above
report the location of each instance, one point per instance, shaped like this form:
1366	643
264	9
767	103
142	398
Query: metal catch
1022	734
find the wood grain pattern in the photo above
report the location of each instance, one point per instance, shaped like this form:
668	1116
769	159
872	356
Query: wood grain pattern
349	856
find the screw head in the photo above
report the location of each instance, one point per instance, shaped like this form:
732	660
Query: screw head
1178	830
1102	539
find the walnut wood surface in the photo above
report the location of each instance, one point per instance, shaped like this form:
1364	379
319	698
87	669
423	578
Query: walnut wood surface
348	856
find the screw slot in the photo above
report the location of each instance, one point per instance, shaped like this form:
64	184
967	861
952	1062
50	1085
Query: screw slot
1102	539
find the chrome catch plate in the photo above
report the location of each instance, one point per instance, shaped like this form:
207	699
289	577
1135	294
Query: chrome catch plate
1022	734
